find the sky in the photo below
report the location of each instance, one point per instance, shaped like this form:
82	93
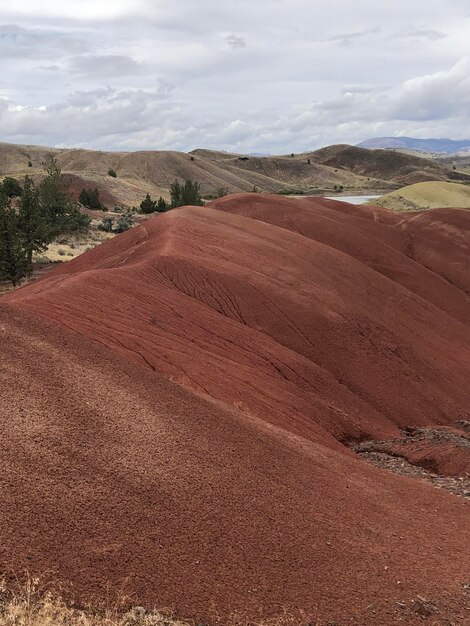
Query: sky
252	76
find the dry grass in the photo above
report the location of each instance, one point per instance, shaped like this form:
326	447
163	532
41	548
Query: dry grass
28	604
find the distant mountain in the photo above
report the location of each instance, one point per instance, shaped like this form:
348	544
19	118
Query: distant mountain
445	146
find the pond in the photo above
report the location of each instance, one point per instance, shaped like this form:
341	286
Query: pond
353	199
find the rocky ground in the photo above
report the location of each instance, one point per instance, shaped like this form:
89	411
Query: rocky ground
386	454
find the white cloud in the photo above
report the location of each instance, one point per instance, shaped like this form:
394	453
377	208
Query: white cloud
272	75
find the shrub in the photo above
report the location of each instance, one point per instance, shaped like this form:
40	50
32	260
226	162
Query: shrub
106	224
112	173
125	222
11	187
30	164
90	198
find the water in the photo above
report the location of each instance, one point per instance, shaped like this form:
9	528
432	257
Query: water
353	199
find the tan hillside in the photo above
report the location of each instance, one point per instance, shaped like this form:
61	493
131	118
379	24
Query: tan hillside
430	195
139	173
397	167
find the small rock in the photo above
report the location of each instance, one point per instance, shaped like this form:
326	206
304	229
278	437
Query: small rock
424	607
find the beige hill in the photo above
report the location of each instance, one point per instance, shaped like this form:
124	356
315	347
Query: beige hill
397	167
430	195
152	172
139	173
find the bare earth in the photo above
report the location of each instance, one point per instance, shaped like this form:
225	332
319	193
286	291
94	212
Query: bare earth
179	404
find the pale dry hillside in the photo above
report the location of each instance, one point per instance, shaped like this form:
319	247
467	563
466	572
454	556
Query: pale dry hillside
430	195
139	173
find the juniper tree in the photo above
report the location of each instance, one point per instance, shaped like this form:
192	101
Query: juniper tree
162	205
187	194
13	256
11	187
35	231
148	205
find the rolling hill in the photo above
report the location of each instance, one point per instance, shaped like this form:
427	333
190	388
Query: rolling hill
189	390
395	167
139	173
429	195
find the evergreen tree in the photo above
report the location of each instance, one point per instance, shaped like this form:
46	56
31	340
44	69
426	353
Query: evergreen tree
90	198
175	193
148	205
13	256
11	187
58	209
187	194
55	202
190	194
35	232
162	205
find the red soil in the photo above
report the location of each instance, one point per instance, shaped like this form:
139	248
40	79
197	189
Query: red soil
445	459
112	476
312	339
288	320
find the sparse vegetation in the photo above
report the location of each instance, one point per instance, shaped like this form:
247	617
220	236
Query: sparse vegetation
125	222
29	605
106	224
219	193
112	173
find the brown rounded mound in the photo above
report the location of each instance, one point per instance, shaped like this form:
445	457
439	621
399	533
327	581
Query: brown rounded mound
112	478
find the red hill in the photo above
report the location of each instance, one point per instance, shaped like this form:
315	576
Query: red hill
294	326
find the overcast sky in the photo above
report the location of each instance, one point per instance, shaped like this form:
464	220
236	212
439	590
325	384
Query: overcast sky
270	76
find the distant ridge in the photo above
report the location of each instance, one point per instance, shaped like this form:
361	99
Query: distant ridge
445	146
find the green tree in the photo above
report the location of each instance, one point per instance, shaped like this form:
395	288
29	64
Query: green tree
187	194
13	256
191	193
35	231
54	201
60	212
11	187
175	194
162	205
90	198
148	205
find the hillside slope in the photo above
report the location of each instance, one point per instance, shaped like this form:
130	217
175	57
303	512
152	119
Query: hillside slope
139	173
336	338
403	169
430	195
115	481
